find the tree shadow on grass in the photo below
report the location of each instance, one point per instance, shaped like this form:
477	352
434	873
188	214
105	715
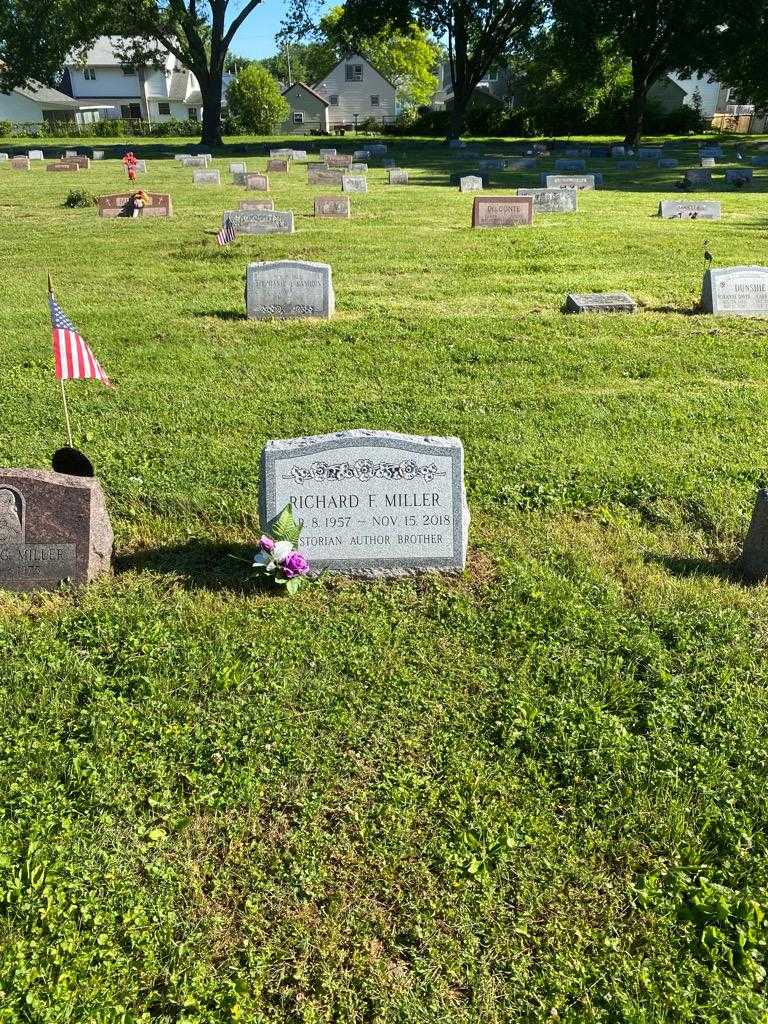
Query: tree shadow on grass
199	565
686	568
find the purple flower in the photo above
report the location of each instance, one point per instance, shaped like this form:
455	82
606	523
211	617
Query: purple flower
295	565
267	544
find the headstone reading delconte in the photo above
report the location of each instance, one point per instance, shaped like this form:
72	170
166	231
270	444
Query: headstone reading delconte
372	503
570	166
238	168
501	211
318	174
62	165
120	205
257	182
397	176
20	163
700	177
735	291
552	200
470	183
277	166
681	209
206	178
740	175
337	207
35	154
289	288
580	181
354	183
260	222
600	302
339	160
257	204
53	528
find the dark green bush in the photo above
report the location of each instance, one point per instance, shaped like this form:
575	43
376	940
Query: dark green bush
79	197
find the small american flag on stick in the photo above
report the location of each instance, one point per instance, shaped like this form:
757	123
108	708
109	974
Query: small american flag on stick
227	235
73	357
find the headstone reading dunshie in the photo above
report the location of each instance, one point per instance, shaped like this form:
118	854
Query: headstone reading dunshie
736	291
53	528
373	503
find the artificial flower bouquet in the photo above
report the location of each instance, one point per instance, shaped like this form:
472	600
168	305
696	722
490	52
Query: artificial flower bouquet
278	556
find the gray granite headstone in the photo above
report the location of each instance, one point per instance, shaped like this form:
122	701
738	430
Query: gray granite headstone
570	166
760	161
649	153
324	153
354	183
363	155
4	157
195	161
580	181
682	209
600	302
491	164
470	183
667	164
206	178
181	157
319	174
281	154
278	166
735	291
739	175
754	559
397	176
617	152
716	151
98	154
372	503
260	222
141	167
238	168
699	177
285	289
707	161
522	165
35	154
257	182
357	169
53	528
256	204
552	200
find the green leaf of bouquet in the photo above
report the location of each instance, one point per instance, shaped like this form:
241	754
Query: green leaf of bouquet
293	585
285	526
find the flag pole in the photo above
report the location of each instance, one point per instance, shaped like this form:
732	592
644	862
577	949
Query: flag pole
61	382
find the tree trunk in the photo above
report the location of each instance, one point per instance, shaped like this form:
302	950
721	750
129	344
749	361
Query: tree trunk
636	110
459	75
210	90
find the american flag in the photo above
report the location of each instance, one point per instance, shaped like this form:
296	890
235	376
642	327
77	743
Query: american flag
227	233
74	359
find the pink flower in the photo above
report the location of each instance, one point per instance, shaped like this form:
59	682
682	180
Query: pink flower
267	544
295	565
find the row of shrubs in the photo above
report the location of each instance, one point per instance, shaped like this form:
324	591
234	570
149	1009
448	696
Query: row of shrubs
108	129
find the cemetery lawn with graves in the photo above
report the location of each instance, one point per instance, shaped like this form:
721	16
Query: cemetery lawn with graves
534	791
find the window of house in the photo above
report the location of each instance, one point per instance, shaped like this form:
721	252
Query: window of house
90	74
354	72
333	100
374	101
298	117
192	113
130	111
129	71
164	108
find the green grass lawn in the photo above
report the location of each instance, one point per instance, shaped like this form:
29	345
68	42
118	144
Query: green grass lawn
534	792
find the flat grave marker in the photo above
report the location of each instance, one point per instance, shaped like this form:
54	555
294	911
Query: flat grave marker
372	503
600	302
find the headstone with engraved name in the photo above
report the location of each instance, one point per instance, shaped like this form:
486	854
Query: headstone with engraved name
121	205
552	200
357	168
70	152
397	176
600	302
372	503
286	289
715	151
354	183
257	204
278	166
334	207
682	209
181	157
36	154
238	168
325	153
299	154
363	155
195	161
62	165
580	181
54	528
339	160
319	174
257	182
20	163
707	161
739	175
281	154
760	161
699	177
471	183
735	291
618	152
502	211
206	178
260	222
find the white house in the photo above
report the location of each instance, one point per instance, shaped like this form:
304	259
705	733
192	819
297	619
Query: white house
106	88
309	111
36	103
355	92
495	83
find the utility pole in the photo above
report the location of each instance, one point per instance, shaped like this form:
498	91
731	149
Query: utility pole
288	59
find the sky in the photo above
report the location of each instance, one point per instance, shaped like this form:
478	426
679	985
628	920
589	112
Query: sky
257	37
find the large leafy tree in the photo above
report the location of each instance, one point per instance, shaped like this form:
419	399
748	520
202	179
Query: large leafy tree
654	36
255	100
198	32
478	33
736	52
